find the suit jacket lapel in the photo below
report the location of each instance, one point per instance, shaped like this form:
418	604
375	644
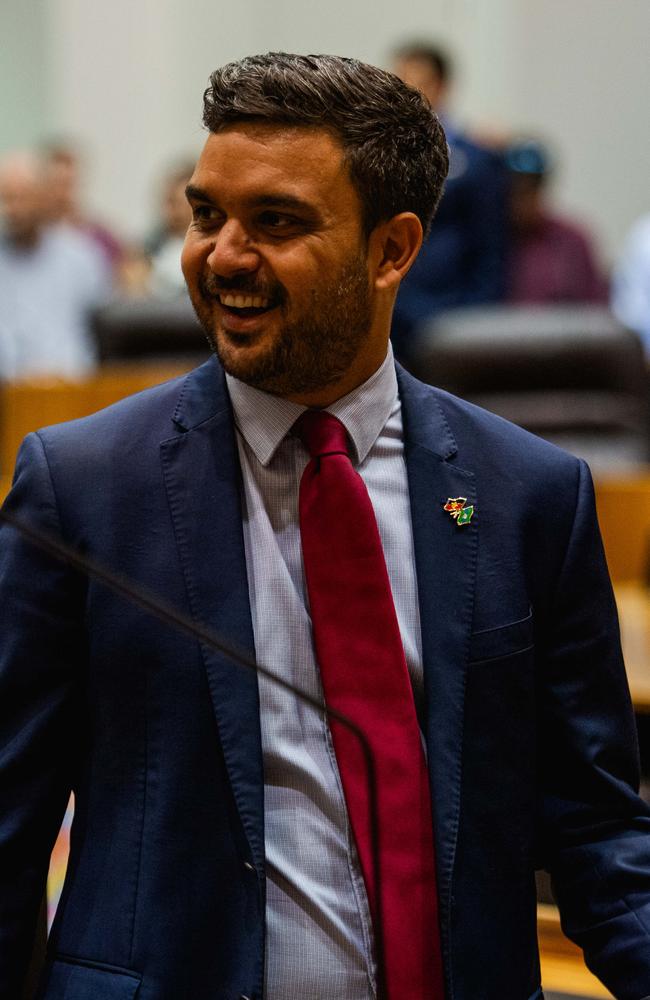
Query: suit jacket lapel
445	556
201	472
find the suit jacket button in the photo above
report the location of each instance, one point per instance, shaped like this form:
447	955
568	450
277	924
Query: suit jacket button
249	868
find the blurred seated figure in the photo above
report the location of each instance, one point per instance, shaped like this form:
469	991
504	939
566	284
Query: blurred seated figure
51	279
631	282
164	246
462	260
550	258
62	165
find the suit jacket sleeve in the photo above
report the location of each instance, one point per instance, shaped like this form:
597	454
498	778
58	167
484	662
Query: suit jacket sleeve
40	651
597	829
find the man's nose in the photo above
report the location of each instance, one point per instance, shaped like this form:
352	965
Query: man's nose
233	251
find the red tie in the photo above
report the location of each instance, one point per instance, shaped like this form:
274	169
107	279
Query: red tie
363	669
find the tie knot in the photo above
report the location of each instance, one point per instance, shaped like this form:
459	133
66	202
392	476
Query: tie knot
321	433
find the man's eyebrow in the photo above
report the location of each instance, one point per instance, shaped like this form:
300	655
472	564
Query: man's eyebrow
279	200
195	193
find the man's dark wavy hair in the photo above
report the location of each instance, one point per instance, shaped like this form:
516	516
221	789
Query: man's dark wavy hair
393	143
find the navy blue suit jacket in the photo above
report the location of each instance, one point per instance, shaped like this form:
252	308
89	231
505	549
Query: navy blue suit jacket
529	727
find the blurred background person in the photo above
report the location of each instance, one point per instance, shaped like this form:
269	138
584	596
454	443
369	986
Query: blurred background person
163	246
550	258
51	279
462	260
151	267
631	282
63	170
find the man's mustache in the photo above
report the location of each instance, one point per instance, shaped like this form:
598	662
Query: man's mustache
211	285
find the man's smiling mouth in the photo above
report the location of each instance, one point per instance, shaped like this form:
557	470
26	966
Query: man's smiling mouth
239	301
243	305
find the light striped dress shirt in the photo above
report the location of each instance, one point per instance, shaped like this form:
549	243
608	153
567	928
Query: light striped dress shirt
319	935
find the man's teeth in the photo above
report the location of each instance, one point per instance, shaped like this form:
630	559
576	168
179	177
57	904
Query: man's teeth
244	301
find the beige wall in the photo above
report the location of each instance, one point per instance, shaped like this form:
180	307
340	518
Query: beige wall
128	77
24	73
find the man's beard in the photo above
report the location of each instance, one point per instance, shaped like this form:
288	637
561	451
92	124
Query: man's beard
310	352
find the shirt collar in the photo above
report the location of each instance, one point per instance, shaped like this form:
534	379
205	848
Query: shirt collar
264	420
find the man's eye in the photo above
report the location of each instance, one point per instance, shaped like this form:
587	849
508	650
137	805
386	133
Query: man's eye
278	221
204	213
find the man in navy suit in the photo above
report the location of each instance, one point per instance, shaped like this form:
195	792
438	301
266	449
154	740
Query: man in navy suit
211	855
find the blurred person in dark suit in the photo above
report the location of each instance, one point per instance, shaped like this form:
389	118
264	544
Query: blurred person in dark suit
462	259
551	258
52	276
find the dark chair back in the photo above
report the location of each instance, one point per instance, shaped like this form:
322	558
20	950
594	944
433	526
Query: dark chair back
570	374
149	328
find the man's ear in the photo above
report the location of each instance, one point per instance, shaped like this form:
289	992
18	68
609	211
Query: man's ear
394	245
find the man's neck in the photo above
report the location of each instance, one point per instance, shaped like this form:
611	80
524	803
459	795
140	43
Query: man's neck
354	377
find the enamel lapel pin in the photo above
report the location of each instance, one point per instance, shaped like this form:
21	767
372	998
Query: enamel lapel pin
460	513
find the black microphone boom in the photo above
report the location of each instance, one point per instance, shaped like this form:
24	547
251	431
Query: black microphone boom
59	549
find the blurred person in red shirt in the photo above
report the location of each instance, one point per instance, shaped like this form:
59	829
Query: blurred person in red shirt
550	258
62	165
